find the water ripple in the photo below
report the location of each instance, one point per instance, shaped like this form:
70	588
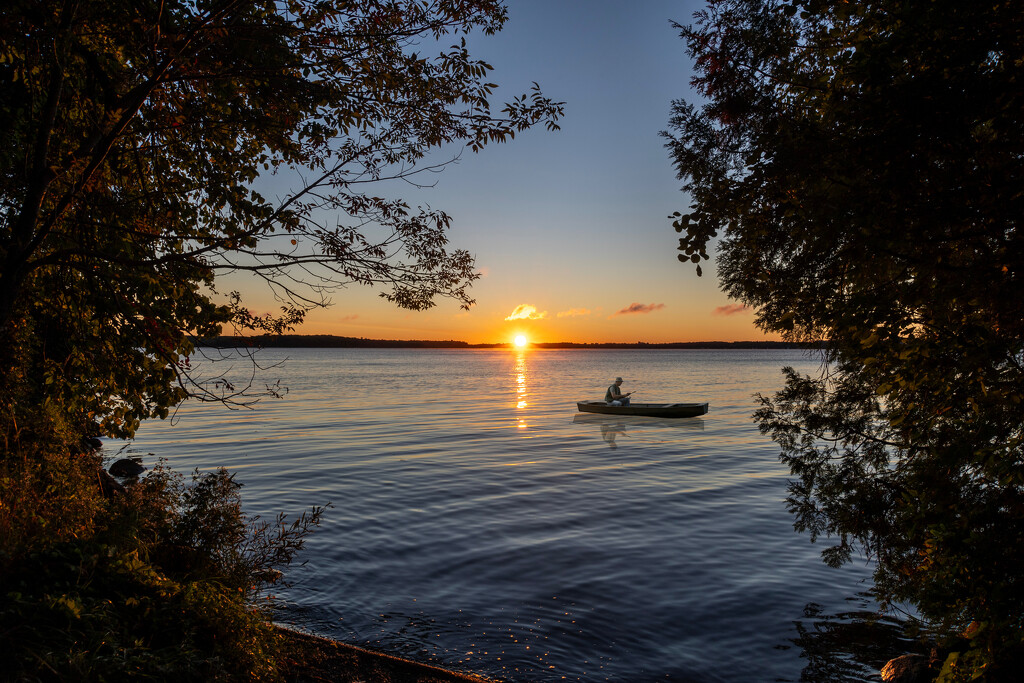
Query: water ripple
495	530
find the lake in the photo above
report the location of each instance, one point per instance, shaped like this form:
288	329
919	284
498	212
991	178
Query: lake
482	524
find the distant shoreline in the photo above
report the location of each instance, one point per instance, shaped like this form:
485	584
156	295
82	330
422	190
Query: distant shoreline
326	341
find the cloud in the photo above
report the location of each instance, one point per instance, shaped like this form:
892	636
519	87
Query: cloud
348	317
526	312
573	312
638	308
731	309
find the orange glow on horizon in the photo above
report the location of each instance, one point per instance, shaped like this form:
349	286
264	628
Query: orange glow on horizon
491	334
702	321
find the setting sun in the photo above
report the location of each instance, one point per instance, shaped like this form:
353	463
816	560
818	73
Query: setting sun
520	340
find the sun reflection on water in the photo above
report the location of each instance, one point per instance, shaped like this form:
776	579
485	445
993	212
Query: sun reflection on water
519	372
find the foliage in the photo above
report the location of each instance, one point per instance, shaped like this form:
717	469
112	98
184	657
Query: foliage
149	148
162	588
863	165
30	490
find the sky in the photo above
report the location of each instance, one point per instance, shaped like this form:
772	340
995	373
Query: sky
570	228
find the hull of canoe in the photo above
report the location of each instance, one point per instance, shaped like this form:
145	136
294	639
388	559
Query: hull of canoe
647	409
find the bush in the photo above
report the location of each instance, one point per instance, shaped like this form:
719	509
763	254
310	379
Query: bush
164	584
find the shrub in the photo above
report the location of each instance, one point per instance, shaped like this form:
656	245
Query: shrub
165	584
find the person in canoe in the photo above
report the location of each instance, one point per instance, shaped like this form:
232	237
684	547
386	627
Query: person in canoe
614	395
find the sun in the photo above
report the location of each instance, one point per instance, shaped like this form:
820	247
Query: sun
520	340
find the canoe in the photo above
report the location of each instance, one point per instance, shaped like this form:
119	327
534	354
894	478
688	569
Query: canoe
647	409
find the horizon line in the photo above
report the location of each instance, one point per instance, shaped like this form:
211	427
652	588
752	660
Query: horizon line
330	340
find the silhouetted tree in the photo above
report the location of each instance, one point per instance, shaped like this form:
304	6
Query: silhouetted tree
863	163
148	148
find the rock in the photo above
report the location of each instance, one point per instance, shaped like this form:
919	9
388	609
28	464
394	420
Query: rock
126	468
907	669
91	443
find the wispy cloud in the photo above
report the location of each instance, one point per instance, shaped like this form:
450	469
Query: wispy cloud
347	318
731	309
573	312
526	312
638	308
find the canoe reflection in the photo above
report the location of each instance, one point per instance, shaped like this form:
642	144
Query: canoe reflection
613	426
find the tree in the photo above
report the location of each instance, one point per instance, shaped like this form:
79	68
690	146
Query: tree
142	142
863	164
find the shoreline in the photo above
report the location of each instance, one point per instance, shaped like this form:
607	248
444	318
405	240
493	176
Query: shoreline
309	658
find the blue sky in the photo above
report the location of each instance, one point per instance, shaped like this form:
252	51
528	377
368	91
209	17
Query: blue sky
572	222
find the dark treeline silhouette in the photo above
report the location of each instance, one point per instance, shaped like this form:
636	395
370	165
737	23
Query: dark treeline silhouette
855	167
327	341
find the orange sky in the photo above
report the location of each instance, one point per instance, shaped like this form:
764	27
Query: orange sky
552	310
579	324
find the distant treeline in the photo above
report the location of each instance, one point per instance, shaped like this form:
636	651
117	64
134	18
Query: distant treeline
680	345
326	341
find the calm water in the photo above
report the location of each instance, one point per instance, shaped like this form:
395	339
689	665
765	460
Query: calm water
480	523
